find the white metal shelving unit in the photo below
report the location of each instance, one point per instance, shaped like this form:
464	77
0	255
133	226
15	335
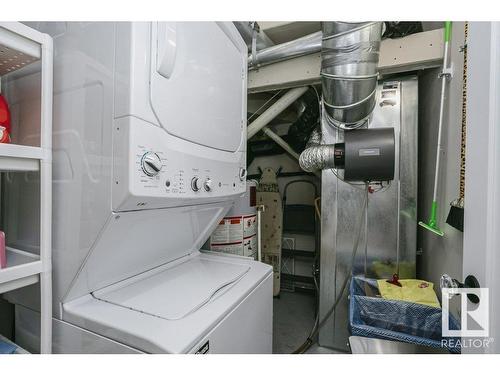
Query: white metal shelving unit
20	46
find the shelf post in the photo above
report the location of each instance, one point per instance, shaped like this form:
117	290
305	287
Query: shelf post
46	198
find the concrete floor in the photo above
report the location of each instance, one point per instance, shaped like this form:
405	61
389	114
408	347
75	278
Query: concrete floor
293	319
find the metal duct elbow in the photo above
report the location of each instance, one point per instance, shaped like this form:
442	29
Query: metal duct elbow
349	61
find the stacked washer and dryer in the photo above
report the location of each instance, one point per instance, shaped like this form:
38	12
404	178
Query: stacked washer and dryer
149	155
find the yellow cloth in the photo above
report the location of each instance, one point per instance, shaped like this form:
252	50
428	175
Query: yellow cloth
417	291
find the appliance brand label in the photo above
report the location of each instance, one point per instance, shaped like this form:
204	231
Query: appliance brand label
369	152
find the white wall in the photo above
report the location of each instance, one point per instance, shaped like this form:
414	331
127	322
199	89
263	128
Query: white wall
482	193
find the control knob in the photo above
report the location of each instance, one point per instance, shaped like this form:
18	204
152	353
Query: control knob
207	184
151	163
195	184
242	173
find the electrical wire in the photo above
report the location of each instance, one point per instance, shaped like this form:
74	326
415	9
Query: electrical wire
354	184
317	323
330	121
382	187
357	185
320	105
263	105
317	208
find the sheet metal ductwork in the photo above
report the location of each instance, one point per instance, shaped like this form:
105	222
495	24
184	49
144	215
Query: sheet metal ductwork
349	61
299	47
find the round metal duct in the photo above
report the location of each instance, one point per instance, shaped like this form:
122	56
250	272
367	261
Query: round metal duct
349	60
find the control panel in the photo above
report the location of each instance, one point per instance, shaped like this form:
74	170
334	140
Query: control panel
160	170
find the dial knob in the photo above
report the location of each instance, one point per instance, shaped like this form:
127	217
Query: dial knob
195	184
207	184
242	174
151	163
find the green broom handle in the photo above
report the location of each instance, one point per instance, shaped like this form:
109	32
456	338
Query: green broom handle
447	31
447	36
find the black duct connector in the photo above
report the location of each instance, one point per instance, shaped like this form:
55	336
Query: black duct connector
366	155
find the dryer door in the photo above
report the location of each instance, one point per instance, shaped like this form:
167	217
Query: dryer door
198	82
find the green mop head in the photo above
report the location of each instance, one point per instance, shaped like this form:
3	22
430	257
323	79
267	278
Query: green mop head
432	225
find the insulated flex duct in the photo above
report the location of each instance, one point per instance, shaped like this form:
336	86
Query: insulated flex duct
349	60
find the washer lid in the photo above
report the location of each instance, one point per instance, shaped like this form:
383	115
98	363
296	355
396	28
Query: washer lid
176	292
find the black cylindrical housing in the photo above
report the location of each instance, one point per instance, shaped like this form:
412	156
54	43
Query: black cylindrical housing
369	154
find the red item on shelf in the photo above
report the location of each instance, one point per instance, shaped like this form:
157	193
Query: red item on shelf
395	280
4	121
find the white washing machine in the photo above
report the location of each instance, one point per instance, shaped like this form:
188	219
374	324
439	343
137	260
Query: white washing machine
149	154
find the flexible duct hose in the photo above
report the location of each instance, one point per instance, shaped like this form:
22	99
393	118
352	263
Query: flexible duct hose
314	138
317	156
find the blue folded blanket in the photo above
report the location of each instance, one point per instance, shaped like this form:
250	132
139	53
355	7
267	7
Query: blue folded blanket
7	348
